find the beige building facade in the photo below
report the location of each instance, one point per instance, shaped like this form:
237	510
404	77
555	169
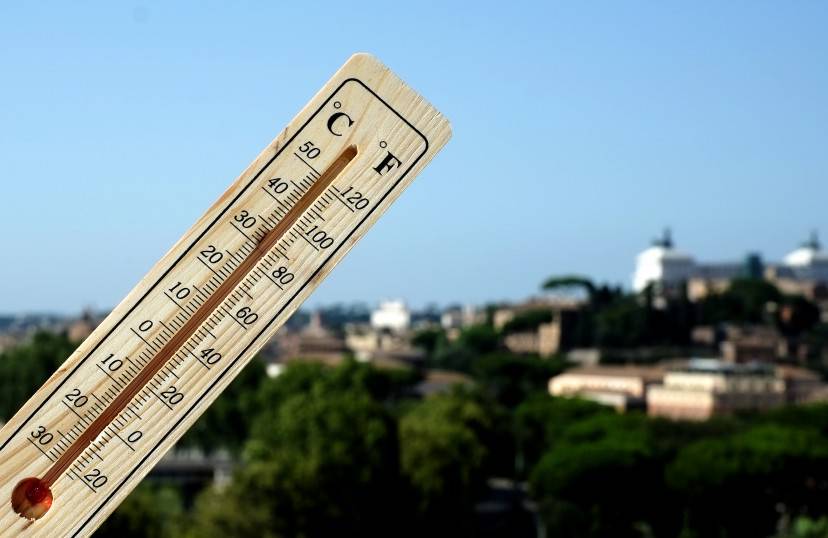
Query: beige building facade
699	395
694	389
622	387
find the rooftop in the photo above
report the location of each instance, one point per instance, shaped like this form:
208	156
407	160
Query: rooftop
647	373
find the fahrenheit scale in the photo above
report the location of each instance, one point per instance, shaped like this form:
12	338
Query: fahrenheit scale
131	390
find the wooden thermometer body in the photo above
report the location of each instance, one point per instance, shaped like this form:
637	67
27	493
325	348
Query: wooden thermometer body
131	390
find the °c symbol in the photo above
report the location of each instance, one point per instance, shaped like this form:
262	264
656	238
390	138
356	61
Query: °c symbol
334	118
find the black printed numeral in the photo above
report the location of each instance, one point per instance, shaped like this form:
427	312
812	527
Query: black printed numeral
112	364
247	316
319	237
211	254
211	356
76	398
42	436
282	276
180	292
278	185
310	150
355	198
245	219
172	396
95	478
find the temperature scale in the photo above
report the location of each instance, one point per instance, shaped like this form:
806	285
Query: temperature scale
154	365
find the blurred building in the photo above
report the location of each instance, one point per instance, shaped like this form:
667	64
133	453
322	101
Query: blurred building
585	356
8	341
711	279
746	343
371	345
80	329
506	313
708	387
440	381
16	329
545	340
459	317
314	342
801	385
751	343
392	316
694	389
804	271
621	387
192	470
808	262
662	265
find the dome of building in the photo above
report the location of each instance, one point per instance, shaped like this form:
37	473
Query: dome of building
804	256
809	262
808	254
662	263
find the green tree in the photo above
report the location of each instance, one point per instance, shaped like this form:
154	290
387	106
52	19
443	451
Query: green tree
443	453
761	469
797	315
429	340
226	423
806	527
322	459
528	321
568	283
539	423
25	368
582	324
387	385
632	320
602	478
511	379
472	343
148	512
745	301
479	339
624	323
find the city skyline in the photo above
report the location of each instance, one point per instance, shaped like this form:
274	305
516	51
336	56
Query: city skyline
734	263
611	122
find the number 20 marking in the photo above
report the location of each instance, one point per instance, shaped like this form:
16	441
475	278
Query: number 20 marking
95	478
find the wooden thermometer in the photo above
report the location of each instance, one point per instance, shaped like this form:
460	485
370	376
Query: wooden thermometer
131	390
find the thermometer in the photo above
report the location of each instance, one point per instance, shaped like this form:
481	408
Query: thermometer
153	366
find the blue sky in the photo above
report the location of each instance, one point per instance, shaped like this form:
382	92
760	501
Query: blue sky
580	130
